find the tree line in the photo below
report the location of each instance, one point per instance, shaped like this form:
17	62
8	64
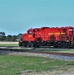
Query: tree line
12	38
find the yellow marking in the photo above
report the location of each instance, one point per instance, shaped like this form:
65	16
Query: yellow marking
55	33
50	33
62	33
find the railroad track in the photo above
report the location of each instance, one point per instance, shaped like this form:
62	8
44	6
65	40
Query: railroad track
36	50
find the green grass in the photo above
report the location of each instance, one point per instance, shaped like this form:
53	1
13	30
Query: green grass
67	51
14	65
63	51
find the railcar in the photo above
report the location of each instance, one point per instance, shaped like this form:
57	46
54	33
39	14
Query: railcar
58	37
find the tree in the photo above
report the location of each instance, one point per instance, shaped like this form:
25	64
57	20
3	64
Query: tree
9	38
19	36
14	38
2	36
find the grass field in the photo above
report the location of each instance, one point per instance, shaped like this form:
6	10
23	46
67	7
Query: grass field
15	65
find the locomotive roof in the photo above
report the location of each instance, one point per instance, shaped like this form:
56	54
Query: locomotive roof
31	29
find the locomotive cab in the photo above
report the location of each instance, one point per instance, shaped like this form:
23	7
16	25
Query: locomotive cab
27	39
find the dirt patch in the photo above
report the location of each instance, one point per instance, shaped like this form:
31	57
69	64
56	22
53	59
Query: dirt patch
47	73
54	72
8	42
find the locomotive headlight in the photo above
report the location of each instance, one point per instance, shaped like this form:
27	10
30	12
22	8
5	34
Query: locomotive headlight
29	35
20	41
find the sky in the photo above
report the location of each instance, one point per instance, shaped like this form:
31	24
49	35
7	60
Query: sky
17	16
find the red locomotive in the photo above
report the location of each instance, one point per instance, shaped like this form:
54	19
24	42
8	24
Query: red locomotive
62	37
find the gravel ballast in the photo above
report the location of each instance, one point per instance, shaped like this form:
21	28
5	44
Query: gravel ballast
60	57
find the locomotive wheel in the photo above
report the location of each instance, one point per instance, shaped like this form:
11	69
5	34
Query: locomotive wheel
20	44
23	44
30	44
63	45
59	45
35	45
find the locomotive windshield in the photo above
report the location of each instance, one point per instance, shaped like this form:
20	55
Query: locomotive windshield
30	31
